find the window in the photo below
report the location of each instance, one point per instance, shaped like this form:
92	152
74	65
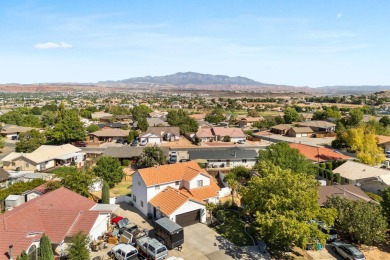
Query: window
157	187
177	183
134	198
200	183
142	203
244	160
13	163
27	165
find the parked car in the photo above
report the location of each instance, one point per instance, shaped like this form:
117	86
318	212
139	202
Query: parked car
118	141
172	160
80	144
347	251
330	231
144	142
241	142
387	153
124	252
125	142
173	153
134	143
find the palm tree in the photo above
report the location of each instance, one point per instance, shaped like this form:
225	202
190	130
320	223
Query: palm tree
210	208
233	184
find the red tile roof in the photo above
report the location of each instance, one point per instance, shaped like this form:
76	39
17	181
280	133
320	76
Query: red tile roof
56	213
170	199
318	154
171	172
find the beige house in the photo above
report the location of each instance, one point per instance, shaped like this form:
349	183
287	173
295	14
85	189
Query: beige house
12	132
108	135
45	157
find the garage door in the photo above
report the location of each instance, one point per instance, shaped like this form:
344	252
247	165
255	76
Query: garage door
188	218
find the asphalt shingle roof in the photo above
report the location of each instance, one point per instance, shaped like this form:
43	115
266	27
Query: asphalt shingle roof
219	154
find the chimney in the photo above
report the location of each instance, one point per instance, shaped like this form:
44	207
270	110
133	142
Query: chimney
10	252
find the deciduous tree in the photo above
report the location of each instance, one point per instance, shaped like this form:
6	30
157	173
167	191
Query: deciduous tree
363	141
77	180
215	116
358	220
285	203
29	141
282	155
290	115
109	169
92	128
152	156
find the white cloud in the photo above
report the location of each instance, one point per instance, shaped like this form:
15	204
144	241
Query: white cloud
339	15
53	45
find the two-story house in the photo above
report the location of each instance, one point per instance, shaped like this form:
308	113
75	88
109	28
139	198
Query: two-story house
177	191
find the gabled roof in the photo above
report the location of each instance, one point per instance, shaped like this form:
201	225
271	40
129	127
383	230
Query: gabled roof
111	132
318	123
303	129
155	121
282	127
356	171
234	153
383	139
4	175
348	191
204	192
170	199
318	154
228	131
159	131
171	172
15	129
204	132
55	213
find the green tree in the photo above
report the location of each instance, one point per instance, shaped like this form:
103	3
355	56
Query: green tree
233	185
68	129
109	169
359	221
385	121
215	116
210	207
355	117
29	141
385	203
36	111
30	121
143	124
239	173
152	156
363	140
181	119
78	249
92	128
105	193
282	155
48	118
45	251
23	256
140	111
77	180
290	115
2	143
284	203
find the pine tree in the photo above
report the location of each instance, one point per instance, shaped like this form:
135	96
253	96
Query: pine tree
105	193
45	249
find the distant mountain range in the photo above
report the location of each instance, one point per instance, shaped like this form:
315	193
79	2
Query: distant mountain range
200	81
185	78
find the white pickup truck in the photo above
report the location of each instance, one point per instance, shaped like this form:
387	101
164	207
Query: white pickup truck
151	248
124	252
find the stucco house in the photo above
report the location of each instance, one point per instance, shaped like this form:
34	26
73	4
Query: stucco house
299	131
12	132
44	157
219	133
108	134
158	134
368	178
319	126
225	158
177	191
59	214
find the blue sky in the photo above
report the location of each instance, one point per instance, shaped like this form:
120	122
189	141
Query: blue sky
300	43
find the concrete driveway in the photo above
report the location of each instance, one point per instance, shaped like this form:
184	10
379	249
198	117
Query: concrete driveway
201	242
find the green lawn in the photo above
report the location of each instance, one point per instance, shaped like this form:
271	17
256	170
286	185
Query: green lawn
121	188
233	230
